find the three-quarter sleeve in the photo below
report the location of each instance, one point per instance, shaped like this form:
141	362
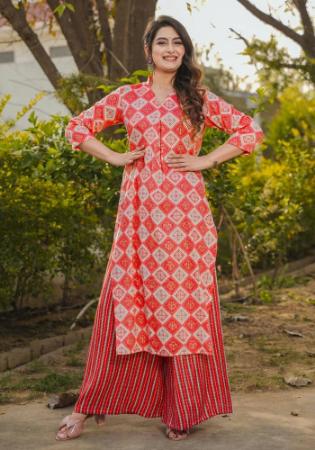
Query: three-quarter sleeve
102	114
244	130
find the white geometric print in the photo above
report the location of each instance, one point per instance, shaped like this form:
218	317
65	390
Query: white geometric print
164	249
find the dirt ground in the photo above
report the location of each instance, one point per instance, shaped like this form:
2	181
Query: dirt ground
265	341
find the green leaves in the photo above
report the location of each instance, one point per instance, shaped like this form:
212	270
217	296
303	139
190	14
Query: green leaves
57	211
270	199
60	9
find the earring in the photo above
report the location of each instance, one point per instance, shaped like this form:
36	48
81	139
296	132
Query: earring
150	62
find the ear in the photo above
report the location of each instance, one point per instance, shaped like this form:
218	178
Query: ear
146	50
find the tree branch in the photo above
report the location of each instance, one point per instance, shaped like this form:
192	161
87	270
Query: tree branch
267	18
242	247
75	30
241	37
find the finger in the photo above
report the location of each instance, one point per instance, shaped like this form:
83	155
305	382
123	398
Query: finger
177	164
141	152
138	152
175	160
176	156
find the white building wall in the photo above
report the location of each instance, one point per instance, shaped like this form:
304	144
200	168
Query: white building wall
24	78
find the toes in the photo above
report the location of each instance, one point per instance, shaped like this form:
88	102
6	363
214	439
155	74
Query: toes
100	419
62	432
176	435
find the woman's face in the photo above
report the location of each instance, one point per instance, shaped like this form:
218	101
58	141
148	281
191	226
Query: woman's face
167	50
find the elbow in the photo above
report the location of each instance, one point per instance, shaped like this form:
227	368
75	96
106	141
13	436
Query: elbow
259	133
70	135
259	136
253	138
68	132
75	133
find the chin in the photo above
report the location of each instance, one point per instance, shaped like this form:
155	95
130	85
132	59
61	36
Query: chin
169	69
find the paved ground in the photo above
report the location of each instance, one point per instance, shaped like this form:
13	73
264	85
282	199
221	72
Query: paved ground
260	421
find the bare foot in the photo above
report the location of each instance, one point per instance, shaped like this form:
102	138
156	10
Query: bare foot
100	419
176	435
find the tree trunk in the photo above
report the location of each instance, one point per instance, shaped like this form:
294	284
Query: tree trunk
128	31
106	33
79	30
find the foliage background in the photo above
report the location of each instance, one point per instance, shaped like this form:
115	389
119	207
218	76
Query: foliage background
58	207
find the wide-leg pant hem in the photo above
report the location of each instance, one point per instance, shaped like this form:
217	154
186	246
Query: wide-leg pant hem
188	425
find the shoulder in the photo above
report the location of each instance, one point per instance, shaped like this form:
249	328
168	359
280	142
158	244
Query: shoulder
208	94
130	91
123	89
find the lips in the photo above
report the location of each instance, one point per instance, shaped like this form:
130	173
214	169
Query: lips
168	58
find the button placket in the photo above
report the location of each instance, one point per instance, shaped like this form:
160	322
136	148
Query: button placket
162	149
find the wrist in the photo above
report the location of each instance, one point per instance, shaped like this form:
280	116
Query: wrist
209	163
213	164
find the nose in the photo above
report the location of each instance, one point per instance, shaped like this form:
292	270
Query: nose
171	47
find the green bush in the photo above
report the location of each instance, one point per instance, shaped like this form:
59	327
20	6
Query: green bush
58	207
270	199
57	211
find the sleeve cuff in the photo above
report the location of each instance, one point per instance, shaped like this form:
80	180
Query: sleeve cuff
75	144
246	142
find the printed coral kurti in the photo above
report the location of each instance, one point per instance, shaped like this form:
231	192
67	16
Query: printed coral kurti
162	261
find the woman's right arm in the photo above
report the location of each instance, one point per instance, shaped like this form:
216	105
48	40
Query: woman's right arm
97	149
81	129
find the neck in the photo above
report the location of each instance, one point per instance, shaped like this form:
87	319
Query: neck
163	80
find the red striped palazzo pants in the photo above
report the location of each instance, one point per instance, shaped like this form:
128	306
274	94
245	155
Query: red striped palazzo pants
182	390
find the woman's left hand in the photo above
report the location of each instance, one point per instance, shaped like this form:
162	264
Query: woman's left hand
183	162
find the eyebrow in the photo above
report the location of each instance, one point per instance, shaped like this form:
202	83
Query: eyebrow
161	37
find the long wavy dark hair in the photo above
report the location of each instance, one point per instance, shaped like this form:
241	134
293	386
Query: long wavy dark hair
187	81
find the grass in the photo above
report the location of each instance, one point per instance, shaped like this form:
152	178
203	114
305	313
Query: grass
255	381
38	377
233	307
74	361
75	348
35	366
52	382
4	398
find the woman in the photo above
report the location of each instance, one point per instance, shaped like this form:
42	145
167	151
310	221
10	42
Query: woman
156	348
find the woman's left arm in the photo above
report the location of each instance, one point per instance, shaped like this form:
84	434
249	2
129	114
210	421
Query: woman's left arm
245	132
245	135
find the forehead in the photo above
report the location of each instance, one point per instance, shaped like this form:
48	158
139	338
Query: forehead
166	32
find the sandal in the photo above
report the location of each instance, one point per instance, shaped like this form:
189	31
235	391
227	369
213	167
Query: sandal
176	435
72	425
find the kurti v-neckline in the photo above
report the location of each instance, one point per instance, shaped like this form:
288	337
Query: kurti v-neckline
158	101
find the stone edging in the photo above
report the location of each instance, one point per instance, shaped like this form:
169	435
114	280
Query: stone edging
22	355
